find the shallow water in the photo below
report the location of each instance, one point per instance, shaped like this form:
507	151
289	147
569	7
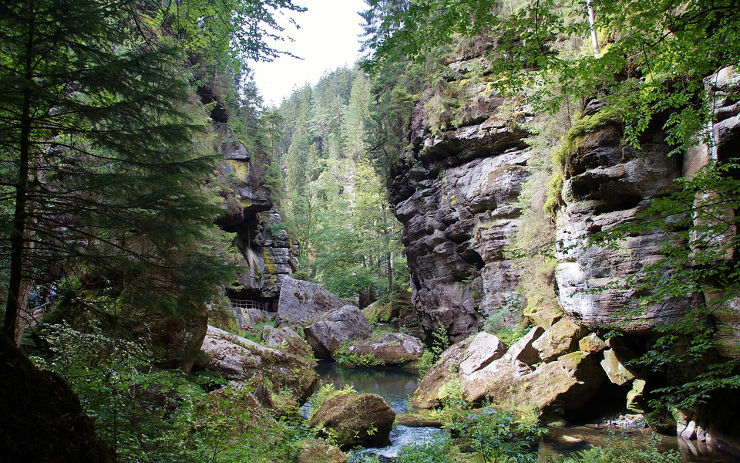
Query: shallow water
396	385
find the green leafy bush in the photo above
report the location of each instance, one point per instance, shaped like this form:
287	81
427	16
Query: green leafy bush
496	435
147	414
348	359
426	362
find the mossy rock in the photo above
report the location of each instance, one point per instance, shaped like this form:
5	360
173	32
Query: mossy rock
319	451
422	418
353	419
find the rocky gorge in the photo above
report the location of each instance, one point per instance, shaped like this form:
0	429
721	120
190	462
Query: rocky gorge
457	194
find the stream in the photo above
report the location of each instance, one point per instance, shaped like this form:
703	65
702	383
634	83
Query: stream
396	385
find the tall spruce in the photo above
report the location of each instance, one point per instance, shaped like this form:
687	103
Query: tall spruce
98	167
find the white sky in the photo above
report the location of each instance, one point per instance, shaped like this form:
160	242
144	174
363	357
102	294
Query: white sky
327	39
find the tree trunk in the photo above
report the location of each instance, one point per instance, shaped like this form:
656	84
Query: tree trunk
17	234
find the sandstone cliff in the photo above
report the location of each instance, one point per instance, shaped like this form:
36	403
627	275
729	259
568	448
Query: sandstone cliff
457	193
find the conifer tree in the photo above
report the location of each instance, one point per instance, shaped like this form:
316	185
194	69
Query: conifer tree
96	155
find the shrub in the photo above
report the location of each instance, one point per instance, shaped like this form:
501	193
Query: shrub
496	435
426	362
348	359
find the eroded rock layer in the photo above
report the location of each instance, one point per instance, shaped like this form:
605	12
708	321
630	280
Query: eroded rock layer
456	195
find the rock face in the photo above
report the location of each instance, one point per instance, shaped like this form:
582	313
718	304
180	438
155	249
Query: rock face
264	251
356	419
456	196
239	359
393	349
329	332
303	302
607	184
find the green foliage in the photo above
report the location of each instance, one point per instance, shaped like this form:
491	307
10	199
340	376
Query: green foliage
426	362
348	359
452	394
335	205
440	342
147	414
496	435
326	392
433	450
620	449
554	198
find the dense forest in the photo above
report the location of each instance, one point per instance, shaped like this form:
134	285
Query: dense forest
527	211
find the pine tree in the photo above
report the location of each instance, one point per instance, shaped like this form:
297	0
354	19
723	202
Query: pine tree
98	169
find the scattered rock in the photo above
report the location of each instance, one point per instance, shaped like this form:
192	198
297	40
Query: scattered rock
355	419
615	369
285	339
559	339
523	350
564	385
303	302
239	359
592	343
483	349
330	331
391	349
427	394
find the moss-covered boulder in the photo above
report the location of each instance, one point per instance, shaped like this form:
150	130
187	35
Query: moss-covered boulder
355	419
286	340
393	349
564	385
428	393
380	311
319	451
242	360
559	339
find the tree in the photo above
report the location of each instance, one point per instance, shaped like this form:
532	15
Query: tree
96	156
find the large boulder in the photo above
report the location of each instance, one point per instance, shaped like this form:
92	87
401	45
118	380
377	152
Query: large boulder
355	419
287	340
445	370
242	360
484	348
391	349
304	302
41	419
559	339
564	385
335	328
